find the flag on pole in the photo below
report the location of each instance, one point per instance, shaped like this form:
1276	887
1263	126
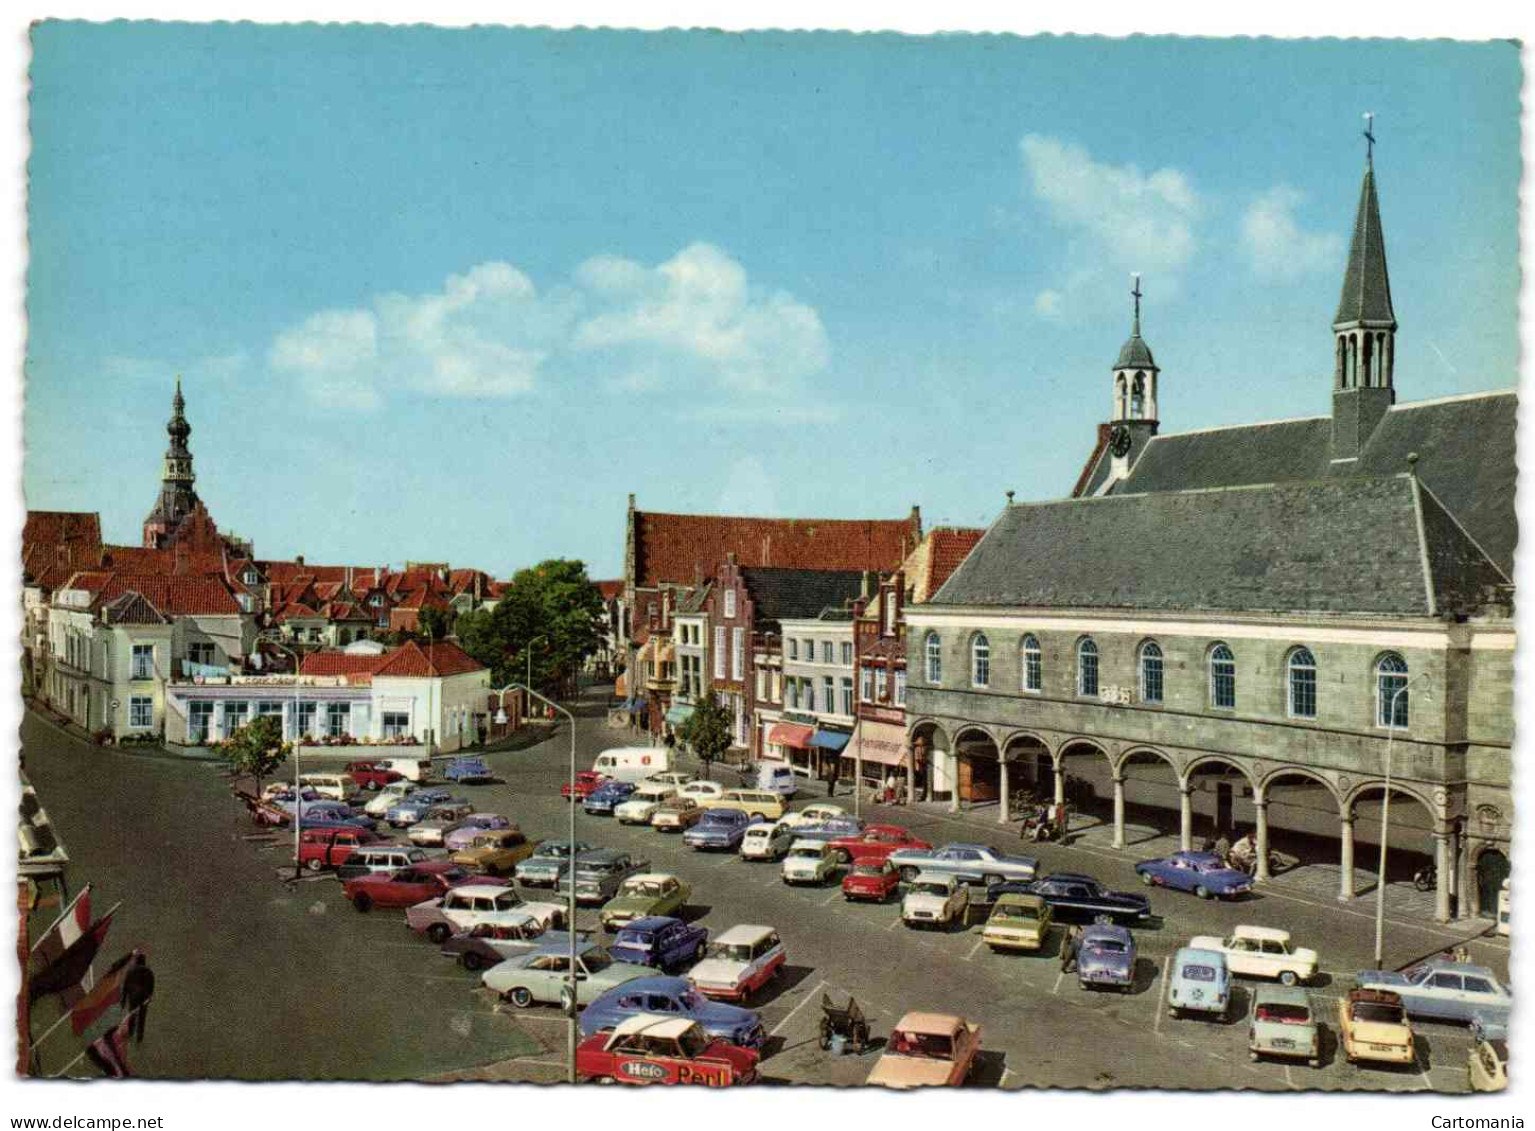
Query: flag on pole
66	971
97	995
109	1052
64	933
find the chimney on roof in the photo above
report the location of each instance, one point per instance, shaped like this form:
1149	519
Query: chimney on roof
870	583
631	502
298	559
375	575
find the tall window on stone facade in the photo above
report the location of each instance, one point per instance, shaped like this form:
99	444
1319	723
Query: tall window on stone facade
1391	692
900	688
1087	667
866	680
933	650
1033	665
1302	684
980	661
1151	672
730	604
1223	678
793	648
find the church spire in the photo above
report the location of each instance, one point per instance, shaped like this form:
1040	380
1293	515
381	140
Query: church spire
177	497
1365	325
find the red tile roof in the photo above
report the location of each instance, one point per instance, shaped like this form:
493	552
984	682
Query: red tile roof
295	610
444	658
177	595
54	544
610	590
951	546
420	599
682	548
342	663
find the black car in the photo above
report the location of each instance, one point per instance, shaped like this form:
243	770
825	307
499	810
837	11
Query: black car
1074	896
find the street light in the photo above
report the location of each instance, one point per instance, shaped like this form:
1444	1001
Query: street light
570	915
298	797
1385	822
529	683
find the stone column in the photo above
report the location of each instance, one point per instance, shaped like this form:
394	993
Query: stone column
1444	862
1346	862
1261	807
1060	784
1186	818
953	757
1119	811
1005	814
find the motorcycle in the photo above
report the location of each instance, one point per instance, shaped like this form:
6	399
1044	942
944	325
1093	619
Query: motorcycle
1426	878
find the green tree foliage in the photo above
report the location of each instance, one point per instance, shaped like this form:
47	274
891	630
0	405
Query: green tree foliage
434	624
257	748
707	731
550	613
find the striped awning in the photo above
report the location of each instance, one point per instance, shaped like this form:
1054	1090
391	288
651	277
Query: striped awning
791	734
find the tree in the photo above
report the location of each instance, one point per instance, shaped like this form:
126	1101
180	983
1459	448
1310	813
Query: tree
549	615
257	748
707	731
434	623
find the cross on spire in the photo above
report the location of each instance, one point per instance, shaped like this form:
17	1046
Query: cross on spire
1136	291
1369	137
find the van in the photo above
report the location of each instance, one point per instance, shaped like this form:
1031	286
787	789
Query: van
411	769
778	779
755	802
633	763
337	787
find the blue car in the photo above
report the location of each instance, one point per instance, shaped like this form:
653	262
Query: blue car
607	797
1443	990
1200	983
719	828
467	769
834	828
660	941
1106	958
413	807
674	997
1203	873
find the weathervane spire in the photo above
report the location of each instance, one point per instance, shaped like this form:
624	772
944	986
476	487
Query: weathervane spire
1369	137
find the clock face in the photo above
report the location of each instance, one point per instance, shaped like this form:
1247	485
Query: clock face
1119	441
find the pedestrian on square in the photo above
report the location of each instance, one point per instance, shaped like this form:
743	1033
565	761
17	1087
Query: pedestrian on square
1070	946
1223	848
138	988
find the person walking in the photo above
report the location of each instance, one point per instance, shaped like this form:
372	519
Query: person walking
138	988
1070	945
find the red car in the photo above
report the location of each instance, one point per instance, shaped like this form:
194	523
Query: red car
651	1048
329	848
871	879
875	844
586	781
370	775
408	886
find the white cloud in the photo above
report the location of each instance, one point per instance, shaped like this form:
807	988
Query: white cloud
1274	242
694	322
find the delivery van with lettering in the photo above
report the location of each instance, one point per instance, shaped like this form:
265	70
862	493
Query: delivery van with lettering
633	763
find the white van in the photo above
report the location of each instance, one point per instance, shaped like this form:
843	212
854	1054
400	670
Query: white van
337	787
633	763
411	769
778	779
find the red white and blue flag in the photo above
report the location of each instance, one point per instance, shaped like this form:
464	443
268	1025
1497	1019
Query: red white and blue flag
65	932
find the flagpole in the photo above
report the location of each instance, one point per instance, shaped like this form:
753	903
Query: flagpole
43	937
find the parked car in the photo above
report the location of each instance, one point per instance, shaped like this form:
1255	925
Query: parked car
652	1049
928	1049
1262	952
384	856
415	807
809	862
600	874
753	802
1017	922
643	803
329	848
699	790
468	905
405	887
337	787
1200	983
739	962
836	828
1487	1065
675	997
876	880
765	840
485	945
1203	873
875	843
468	770
388	797
542	867
417	770
815	814
1444	990
935	899
1372	1025
544	976
649	893
586	782
678	778
1106	958
371	775
1072	896
676	814
432	830
661	941
1283	1024
778	779
972	863
462	835
496	852
718	829
607	797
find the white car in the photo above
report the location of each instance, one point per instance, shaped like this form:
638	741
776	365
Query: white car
388	797
934	899
814	814
643	803
702	790
471	904
669	777
766	840
739	962
809	862
1262	952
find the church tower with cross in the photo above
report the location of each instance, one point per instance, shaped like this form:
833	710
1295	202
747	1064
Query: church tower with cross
1133	419
178	499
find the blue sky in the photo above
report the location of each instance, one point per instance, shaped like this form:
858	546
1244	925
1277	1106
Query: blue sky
453	294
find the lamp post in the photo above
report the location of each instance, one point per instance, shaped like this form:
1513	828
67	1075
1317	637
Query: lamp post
529	683
298	798
570	914
1385	822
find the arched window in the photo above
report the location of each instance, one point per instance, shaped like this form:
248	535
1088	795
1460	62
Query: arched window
1391	692
1302	684
1121	404
1033	665
1223	678
1138	396
1151	672
934	651
1087	667
980	661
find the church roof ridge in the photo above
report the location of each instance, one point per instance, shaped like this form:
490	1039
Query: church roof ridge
1452	398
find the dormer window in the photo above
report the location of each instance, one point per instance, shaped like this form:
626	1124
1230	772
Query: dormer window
251	577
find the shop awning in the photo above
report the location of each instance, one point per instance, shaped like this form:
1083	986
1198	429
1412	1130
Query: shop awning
882	743
679	714
791	734
833	740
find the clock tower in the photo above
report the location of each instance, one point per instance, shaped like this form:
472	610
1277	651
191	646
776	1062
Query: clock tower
178	498
1133	420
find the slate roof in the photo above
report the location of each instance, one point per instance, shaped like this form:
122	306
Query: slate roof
798	594
1135	354
1366	295
1466	449
683	548
441	659
1340	545
693	599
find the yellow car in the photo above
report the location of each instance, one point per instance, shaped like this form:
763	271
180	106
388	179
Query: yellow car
496	852
675	814
1017	922
753	802
1372	1025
